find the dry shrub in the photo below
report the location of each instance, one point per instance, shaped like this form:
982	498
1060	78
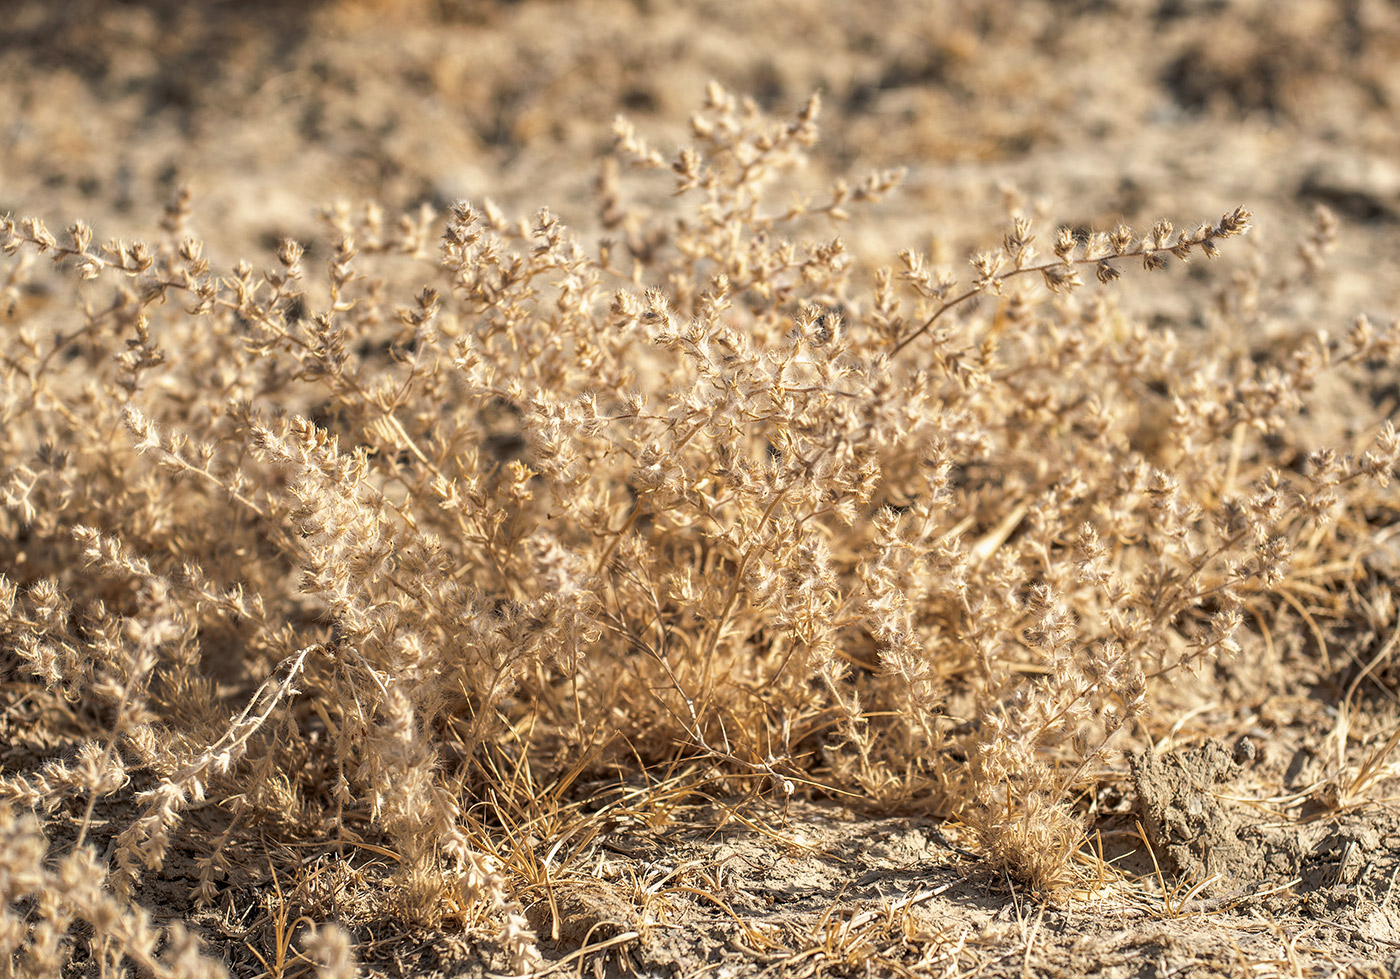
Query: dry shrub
397	540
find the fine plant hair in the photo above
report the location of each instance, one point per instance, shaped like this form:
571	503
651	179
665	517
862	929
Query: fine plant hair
398	538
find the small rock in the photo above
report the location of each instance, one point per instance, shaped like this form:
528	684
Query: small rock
1189	829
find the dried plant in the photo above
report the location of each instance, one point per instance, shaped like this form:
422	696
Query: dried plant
395	542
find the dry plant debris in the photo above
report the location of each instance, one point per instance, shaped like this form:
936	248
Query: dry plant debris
457	575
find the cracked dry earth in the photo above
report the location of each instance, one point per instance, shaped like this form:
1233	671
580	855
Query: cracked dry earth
820	890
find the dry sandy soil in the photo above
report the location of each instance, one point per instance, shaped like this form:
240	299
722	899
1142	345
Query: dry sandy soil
1106	110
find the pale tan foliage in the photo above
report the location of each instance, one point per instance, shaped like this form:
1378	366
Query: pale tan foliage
469	508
